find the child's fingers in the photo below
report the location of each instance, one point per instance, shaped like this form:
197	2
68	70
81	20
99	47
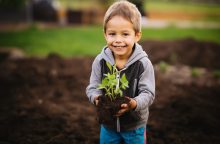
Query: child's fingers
124	108
124	105
120	112
96	102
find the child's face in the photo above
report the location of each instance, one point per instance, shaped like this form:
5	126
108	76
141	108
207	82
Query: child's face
120	36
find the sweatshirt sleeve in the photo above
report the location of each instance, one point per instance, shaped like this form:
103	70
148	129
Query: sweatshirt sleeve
146	86
95	80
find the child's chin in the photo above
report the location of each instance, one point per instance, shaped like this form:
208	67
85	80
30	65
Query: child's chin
119	53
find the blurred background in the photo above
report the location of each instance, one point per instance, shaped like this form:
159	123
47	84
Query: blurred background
46	51
39	27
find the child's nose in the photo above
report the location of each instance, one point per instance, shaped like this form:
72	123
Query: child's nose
118	39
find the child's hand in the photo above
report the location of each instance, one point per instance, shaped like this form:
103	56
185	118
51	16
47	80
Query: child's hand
96	100
126	107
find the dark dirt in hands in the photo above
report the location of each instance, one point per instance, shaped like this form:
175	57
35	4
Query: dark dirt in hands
107	108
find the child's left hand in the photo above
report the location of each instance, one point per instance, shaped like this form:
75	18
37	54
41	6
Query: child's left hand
126	107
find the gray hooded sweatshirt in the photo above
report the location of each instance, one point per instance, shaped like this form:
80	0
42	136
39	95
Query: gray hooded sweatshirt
140	74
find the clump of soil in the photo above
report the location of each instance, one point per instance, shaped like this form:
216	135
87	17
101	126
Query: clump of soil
107	109
44	100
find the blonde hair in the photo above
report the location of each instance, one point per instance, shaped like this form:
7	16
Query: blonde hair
126	10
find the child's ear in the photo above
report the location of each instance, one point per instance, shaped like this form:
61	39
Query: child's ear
137	36
105	35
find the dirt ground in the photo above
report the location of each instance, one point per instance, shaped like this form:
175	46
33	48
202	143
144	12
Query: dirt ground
43	101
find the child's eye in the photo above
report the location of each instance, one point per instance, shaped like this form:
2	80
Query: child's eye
111	34
125	34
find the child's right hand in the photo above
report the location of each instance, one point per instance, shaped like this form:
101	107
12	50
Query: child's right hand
126	107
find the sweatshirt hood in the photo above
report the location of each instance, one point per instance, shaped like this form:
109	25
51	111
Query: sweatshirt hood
137	54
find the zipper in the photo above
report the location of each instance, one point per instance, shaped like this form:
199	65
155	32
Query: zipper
118	76
118	124
117	86
118	79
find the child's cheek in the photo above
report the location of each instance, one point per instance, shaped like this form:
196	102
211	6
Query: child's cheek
109	40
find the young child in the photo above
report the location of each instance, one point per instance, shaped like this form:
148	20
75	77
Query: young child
122	31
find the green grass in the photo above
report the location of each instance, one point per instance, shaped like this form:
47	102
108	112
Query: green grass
184	7
88	41
65	41
208	12
172	33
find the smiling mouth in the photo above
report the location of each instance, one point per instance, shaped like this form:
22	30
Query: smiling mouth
119	46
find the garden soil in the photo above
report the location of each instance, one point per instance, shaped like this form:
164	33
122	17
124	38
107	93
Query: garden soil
43	100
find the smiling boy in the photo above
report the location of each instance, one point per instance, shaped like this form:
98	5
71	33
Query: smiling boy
122	31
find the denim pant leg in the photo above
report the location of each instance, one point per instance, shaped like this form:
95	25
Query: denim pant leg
136	136
108	136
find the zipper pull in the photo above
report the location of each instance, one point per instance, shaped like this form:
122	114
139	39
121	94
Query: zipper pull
118	80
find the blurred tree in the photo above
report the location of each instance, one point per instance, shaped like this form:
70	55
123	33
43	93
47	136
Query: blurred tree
12	4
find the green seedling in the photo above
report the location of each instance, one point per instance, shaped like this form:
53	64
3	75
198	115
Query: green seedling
195	72
163	66
216	74
112	83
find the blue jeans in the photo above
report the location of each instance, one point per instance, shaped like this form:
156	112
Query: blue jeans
108	136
